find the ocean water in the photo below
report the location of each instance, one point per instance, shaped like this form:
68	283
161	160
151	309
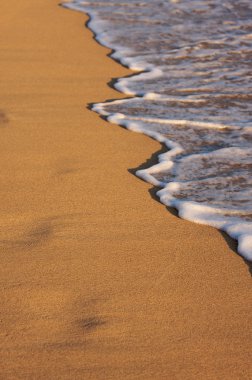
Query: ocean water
192	91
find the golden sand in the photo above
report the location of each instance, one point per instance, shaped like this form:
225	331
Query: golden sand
98	279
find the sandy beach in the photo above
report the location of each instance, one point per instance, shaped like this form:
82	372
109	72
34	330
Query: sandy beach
98	279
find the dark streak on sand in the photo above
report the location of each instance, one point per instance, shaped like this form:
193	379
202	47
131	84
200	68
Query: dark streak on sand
38	232
91	323
36	235
3	118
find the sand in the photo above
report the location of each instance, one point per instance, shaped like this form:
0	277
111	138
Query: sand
98	279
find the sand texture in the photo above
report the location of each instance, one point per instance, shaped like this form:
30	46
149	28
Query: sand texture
98	279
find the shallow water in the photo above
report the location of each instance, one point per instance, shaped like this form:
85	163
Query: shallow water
193	93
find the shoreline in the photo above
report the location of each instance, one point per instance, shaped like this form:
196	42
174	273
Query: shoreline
98	280
192	211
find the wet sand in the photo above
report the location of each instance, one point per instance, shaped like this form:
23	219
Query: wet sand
98	279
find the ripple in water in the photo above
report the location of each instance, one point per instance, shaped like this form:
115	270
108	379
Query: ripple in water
193	93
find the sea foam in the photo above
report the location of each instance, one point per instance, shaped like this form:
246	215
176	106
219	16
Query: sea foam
192	93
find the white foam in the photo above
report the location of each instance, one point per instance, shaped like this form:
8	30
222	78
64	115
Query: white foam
223	219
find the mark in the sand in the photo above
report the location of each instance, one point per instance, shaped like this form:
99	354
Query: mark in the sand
3	118
66	166
64	171
36	235
39	232
92	323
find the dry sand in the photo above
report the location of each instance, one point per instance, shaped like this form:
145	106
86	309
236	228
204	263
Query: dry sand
98	279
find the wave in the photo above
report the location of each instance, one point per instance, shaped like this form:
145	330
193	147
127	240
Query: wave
192	93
